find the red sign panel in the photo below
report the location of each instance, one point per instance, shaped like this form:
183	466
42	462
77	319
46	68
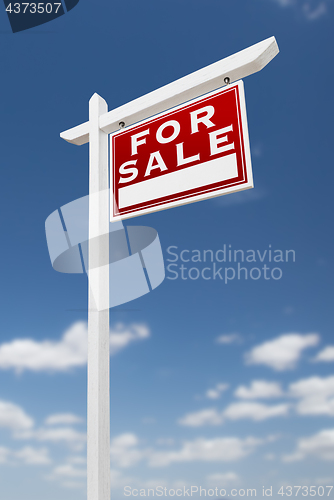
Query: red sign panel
190	153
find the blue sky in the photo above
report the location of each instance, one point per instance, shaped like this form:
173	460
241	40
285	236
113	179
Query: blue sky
212	383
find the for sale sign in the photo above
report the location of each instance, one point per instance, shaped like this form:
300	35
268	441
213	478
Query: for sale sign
190	153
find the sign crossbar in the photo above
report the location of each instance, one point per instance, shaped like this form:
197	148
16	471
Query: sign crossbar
237	66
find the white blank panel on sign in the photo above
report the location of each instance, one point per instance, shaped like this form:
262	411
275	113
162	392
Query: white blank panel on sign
219	169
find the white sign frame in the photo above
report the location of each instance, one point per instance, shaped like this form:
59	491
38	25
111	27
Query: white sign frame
242	119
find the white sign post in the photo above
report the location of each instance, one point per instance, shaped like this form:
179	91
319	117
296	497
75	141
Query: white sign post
98	419
95	131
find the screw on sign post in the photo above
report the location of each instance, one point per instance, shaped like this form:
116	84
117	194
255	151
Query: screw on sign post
194	147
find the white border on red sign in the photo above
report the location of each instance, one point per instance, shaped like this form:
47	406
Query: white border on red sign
203	196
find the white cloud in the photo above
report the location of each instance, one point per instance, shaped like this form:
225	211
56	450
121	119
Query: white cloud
212	394
255	411
63	418
216	391
220	479
235	411
33	456
324	480
312	386
118	480
285	3
281	353
241	197
209	416
165	441
226	449
124	450
77	459
68	470
313	13
326	355
259	389
74	439
121	336
28	354
311	9
230	338
315	394
13	417
69	475
4	454
73	485
27	455
320	445
69	352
